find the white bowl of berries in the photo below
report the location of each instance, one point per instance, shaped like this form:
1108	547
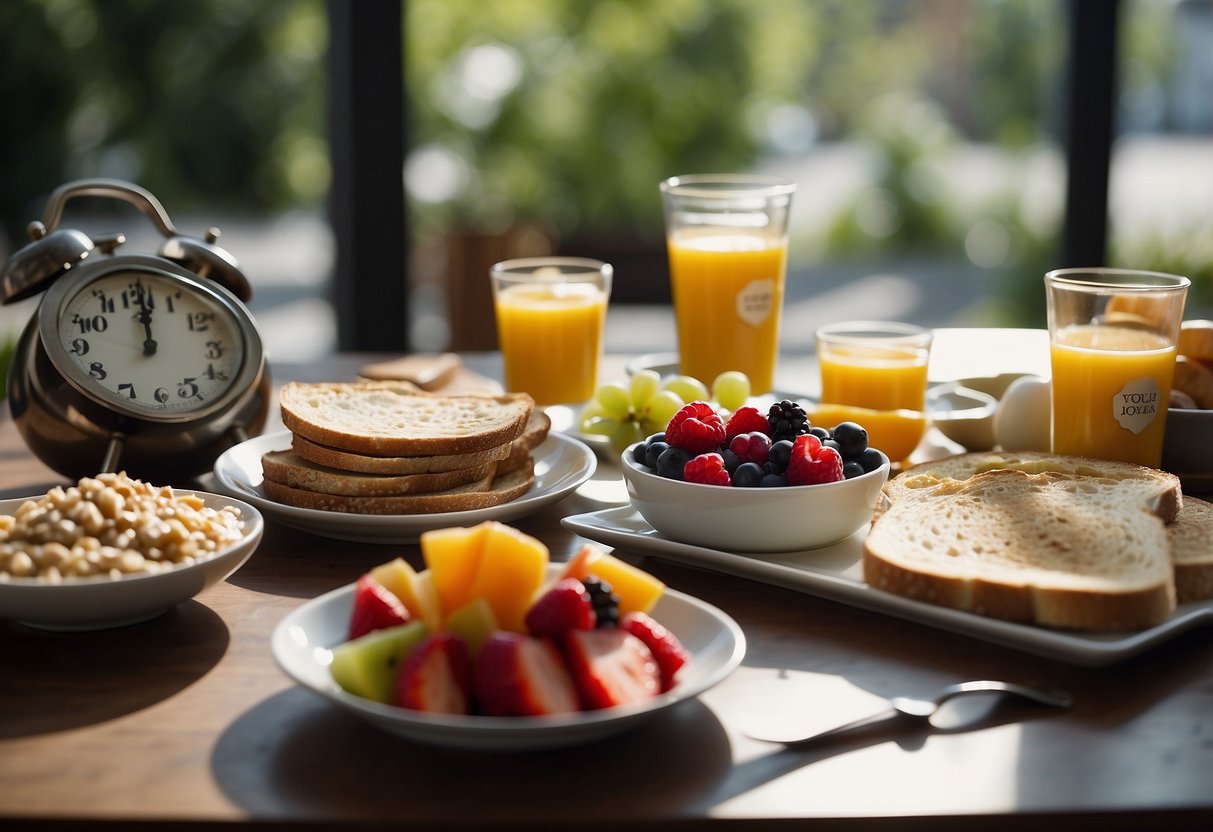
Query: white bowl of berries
755	482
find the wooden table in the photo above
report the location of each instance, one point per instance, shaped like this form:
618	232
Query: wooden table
185	721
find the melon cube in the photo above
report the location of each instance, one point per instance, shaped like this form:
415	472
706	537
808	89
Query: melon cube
512	569
473	622
638	591
578	566
414	589
453	557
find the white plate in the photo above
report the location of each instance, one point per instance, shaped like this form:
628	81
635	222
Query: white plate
301	645
561	465
565	419
836	572
100	602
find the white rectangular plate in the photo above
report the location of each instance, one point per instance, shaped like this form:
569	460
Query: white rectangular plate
836	573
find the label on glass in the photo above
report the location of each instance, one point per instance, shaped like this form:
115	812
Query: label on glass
755	300
1136	405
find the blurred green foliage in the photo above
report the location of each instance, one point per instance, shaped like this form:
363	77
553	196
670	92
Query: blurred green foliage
219	102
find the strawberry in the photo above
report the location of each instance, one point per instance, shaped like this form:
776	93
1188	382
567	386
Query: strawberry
811	463
707	469
664	645
517	675
695	428
375	608
436	677
611	667
746	420
566	606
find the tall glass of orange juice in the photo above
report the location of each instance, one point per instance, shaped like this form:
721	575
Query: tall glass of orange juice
1112	336
551	312
879	367
727	238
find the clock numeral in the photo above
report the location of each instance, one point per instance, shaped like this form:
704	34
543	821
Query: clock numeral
107	303
161	395
129	389
200	321
214	375
187	389
79	347
214	349
96	323
97	371
168	301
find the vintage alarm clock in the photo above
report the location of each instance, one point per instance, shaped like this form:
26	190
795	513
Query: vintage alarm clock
145	363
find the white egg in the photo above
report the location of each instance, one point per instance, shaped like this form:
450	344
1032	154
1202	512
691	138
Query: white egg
1023	419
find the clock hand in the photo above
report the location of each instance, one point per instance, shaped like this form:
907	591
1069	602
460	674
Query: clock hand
145	317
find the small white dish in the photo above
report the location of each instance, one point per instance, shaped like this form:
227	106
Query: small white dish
561	465
302	642
566	419
835	573
753	519
98	603
964	415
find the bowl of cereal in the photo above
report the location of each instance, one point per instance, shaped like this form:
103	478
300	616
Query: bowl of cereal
111	551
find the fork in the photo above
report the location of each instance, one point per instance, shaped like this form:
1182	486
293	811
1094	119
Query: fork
907	709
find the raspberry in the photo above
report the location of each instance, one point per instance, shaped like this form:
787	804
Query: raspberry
707	469
751	447
566	606
812	464
696	428
746	420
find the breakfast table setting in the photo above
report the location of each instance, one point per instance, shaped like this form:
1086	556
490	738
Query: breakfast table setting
561	586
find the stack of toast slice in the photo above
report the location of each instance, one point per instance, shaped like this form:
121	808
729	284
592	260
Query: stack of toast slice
1058	541
373	447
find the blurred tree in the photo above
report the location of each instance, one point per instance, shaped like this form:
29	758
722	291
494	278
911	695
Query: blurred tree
206	101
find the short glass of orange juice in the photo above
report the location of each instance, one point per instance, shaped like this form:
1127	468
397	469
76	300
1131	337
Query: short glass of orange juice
727	239
875	373
1112	342
551	312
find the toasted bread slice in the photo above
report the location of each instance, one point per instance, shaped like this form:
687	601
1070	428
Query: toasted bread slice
1046	548
536	430
485	493
288	468
919	479
395	419
1191	537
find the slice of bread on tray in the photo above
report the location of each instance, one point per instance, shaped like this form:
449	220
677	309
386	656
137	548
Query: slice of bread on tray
1058	541
373	447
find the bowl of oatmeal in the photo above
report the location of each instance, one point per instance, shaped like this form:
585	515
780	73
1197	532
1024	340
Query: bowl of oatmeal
111	551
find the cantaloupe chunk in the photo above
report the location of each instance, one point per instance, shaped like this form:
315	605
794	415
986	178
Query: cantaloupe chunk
453	558
578	566
512	568
473	622
414	589
638	591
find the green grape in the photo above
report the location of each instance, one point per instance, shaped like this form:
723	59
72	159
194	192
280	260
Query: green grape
591	411
625	433
661	410
689	388
648	427
645	385
731	389
615	400
601	426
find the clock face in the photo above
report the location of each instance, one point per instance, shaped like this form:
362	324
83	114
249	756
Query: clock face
149	343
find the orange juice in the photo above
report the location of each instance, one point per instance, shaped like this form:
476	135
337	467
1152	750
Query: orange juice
551	337
1110	389
876	377
728	295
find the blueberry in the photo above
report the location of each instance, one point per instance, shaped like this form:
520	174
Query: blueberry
774	481
640	453
851	468
852	439
652	450
832	443
748	475
870	459
656	437
779	455
820	432
671	462
731	460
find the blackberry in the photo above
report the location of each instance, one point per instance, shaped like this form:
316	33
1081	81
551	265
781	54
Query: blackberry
788	420
604	601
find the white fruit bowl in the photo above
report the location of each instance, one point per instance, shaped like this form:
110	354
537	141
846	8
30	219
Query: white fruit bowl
787	519
99	602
